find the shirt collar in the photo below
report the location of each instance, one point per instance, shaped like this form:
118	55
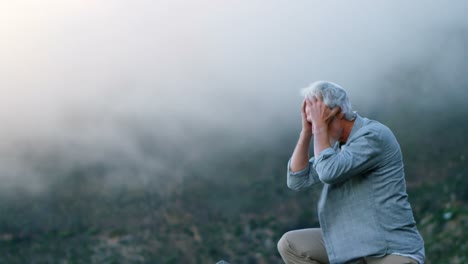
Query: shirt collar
358	123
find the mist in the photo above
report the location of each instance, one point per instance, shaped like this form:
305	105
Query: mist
147	88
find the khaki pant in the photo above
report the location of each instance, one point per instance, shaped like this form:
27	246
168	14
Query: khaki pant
306	246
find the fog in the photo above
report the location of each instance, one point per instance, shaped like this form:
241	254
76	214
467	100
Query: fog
146	87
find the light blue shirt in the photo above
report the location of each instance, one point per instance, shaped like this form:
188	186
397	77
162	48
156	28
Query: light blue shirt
363	209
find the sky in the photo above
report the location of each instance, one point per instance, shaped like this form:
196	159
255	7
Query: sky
93	81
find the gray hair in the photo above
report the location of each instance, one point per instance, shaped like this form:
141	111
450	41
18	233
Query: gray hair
332	95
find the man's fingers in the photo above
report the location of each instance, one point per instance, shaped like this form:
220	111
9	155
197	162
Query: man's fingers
335	110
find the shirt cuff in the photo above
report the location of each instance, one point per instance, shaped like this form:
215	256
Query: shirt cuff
323	155
302	172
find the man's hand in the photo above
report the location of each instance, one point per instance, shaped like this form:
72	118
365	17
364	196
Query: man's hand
320	113
321	116
300	156
306	125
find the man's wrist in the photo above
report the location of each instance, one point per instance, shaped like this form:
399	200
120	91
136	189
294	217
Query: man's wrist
319	128
306	133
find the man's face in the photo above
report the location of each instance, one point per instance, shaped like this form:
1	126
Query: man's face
335	130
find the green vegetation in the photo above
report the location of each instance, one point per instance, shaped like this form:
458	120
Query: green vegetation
234	207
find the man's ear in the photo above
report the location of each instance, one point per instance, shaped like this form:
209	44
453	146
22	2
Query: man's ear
340	115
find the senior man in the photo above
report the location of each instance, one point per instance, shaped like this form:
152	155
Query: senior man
364	213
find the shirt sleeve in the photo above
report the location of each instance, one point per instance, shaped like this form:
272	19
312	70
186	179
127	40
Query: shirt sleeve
362	153
302	179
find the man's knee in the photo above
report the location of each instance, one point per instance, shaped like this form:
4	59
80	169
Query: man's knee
283	244
303	245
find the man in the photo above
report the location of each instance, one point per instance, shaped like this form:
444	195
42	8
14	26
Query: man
364	213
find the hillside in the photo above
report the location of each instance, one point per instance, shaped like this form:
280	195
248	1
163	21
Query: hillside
233	207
